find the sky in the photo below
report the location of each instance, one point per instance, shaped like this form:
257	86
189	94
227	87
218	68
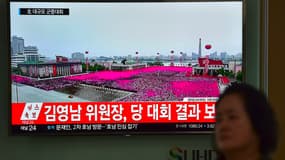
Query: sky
120	29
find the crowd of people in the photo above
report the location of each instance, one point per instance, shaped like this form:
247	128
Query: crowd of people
196	88
158	83
48	84
154	83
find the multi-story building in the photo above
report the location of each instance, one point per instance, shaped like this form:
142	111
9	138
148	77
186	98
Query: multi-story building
213	55
16	59
31	54
17	45
223	55
195	56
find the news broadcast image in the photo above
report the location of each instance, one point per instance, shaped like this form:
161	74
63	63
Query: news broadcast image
121	68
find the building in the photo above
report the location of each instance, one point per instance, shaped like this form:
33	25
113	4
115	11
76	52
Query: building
195	56
20	53
42	58
77	56
235	66
238	68
208	66
129	57
213	55
103	58
17	45
48	70
60	59
223	55
16	59
238	56
21	58
31	54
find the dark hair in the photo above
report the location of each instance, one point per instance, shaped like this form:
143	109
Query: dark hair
261	116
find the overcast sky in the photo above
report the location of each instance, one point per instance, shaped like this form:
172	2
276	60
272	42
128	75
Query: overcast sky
114	29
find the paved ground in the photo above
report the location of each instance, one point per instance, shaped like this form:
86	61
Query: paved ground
32	94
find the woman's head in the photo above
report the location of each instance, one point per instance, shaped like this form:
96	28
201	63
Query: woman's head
244	118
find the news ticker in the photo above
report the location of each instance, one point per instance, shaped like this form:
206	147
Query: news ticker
151	128
112	113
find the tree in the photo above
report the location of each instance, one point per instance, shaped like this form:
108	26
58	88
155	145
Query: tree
124	61
17	70
98	67
155	63
83	67
239	76
221	71
229	74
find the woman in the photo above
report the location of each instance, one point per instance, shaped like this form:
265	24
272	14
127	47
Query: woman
246	128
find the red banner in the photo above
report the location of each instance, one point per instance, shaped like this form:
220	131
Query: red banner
54	70
112	112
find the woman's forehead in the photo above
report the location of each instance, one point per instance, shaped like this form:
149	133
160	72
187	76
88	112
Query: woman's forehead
230	103
227	110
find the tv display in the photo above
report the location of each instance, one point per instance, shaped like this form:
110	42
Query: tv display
122	67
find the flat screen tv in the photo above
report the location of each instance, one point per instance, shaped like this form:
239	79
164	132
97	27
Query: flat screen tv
93	68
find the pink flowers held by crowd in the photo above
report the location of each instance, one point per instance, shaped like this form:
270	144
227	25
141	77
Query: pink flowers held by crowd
160	83
49	84
196	88
21	79
114	75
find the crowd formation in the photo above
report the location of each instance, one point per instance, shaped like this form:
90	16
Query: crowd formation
146	84
48	84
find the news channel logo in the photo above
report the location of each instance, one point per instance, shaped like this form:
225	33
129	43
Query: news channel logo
179	153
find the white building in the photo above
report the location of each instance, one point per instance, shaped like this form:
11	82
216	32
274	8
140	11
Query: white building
42	58
16	59
31	54
235	66
17	45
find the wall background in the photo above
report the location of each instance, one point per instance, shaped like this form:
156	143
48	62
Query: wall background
276	56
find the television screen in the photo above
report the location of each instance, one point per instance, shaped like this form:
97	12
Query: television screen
121	67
